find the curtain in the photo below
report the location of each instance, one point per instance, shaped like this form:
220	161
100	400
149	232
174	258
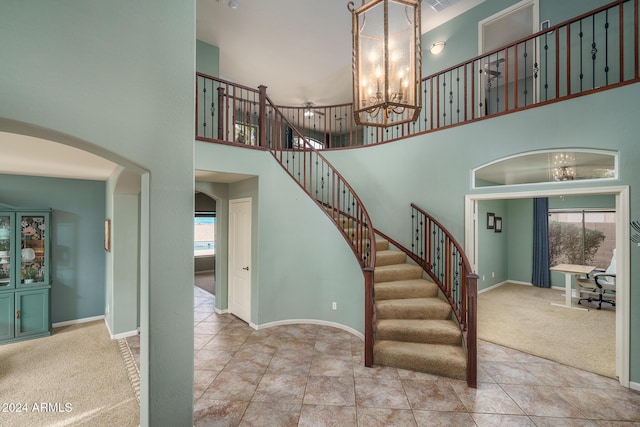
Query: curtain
541	276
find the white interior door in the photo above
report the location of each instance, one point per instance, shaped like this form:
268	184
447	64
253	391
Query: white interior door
240	258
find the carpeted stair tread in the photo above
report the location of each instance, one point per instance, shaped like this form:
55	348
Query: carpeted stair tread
437	359
400	289
388	257
413	308
419	331
387	273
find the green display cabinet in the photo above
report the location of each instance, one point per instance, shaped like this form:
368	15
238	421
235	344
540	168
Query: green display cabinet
25	283
7	310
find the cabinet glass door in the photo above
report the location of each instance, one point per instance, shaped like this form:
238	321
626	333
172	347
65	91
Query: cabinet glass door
34	257
6	235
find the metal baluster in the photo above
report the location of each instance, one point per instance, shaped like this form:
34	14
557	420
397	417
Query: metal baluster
526	91
581	60
606	47
204	106
458	95
451	98
536	71
594	52
497	82
546	67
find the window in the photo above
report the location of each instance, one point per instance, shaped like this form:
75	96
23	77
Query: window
584	237
204	234
314	142
246	134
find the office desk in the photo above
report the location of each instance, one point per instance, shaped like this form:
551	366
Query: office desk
570	270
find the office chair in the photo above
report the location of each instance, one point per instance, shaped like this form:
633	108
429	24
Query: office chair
599	281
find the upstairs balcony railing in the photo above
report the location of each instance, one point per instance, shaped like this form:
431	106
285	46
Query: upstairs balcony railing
595	51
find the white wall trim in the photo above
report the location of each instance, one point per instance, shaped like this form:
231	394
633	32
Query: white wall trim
634	386
623	308
221	311
497	285
309	322
77	321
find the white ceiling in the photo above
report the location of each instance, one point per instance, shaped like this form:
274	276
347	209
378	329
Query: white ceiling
299	49
26	155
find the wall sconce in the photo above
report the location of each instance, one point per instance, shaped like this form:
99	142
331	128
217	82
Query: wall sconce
437	47
387	62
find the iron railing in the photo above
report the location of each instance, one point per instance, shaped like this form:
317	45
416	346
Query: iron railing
595	51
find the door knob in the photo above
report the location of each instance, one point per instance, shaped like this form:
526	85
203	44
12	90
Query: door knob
246	268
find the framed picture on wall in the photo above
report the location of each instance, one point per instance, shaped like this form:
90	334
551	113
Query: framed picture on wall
498	222
491	220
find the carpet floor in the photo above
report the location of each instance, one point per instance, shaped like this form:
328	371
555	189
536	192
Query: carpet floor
522	318
75	377
205	280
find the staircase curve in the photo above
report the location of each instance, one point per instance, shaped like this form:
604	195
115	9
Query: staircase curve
329	189
242	116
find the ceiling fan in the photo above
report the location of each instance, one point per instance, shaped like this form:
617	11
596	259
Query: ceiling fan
309	111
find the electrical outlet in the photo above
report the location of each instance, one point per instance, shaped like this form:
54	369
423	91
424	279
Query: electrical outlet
483	277
334	305
106	310
493	274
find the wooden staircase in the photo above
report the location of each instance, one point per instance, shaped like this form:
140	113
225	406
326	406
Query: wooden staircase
415	329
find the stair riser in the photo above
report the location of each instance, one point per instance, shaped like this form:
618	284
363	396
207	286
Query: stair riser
426	366
411	313
402	290
425	337
449	366
403	274
390	258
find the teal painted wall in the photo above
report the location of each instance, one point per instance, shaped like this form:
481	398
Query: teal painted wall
77	243
520	239
389	177
88	73
207	58
461	33
301	263
493	258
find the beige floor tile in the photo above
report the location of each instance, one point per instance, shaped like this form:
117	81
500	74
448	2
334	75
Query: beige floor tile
259	414
381	393
382	417
327	416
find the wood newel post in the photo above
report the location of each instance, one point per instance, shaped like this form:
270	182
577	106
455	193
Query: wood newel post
472	349
262	117
369	317
221	110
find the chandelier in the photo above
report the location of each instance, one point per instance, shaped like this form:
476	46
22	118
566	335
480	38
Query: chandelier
564	167
387	62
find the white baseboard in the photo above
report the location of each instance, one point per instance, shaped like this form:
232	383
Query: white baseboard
120	335
221	311
497	285
634	386
309	322
76	321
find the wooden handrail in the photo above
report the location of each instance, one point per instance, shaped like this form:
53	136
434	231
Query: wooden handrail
317	177
440	255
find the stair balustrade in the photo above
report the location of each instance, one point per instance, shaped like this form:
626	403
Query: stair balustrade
435	249
592	52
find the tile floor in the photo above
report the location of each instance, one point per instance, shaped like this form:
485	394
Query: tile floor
310	375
